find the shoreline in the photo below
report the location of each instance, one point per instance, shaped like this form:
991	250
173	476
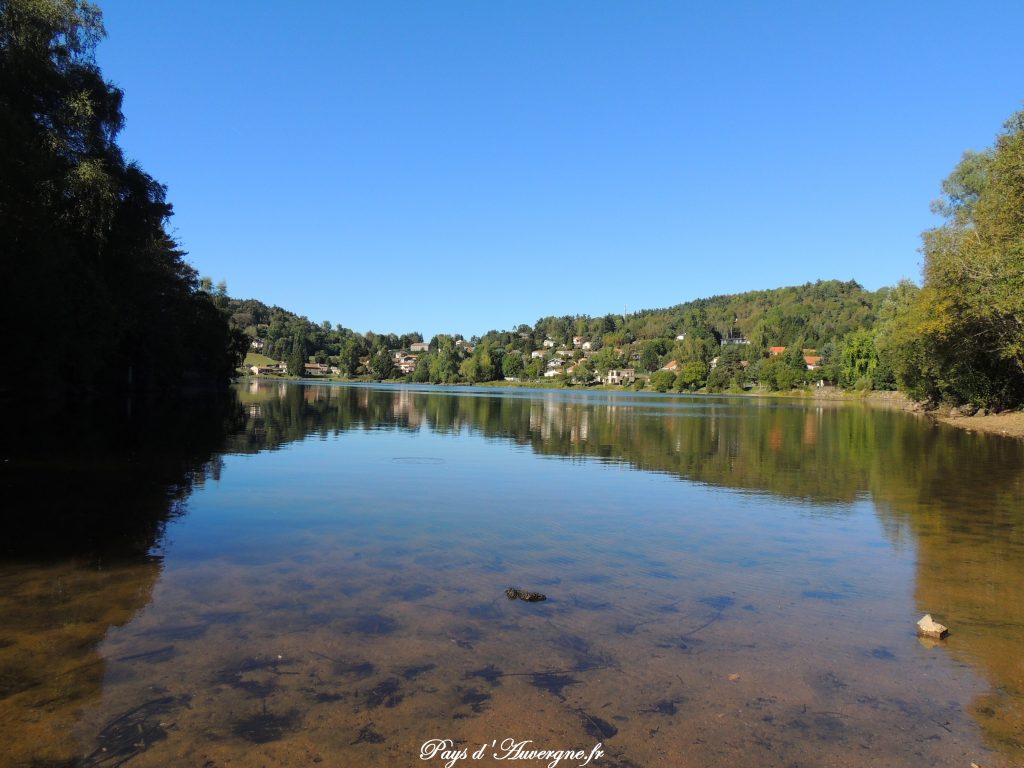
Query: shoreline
1005	424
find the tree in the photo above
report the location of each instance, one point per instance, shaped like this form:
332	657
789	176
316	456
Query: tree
444	364
650	356
662	381
421	373
512	365
382	365
297	358
469	370
962	338
348	358
584	372
77	218
692	376
605	360
858	360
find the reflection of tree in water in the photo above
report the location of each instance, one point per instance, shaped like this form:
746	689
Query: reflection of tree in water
822	453
957	497
965	513
86	497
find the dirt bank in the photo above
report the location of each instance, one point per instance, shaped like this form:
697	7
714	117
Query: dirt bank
1009	423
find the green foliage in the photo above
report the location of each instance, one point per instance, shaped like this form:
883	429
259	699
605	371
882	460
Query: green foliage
858	359
444	361
512	365
297	358
382	366
961	337
650	355
348	358
605	360
83	230
584	372
421	373
662	381
692	376
469	370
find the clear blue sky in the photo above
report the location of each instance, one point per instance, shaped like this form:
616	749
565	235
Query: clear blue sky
461	166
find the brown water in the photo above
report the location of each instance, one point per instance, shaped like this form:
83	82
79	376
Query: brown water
316	575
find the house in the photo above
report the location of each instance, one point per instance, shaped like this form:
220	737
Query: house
555	362
620	376
735	338
550	373
549	343
564	353
813	362
671	365
577	341
586	346
681	337
537	354
404	362
266	370
419	346
317	369
775	351
256	345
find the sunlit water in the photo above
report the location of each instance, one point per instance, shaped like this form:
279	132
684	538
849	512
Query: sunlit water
728	581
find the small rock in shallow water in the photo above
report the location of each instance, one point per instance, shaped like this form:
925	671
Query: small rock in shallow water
514	593
926	627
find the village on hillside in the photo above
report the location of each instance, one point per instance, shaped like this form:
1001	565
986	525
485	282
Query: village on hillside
562	362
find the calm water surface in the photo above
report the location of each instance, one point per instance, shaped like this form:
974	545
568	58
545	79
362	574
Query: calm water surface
314	574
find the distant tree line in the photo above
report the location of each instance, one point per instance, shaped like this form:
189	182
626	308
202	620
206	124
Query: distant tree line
99	296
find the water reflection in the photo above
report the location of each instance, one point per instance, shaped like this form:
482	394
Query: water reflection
87	495
342	598
957	497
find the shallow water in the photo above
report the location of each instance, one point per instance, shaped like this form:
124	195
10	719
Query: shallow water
729	582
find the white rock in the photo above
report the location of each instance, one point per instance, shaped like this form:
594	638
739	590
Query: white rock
929	628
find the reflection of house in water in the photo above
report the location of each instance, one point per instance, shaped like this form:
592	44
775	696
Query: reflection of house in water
811	419
403	407
316	394
580	429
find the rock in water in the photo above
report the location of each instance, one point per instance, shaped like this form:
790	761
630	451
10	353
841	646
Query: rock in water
926	627
514	593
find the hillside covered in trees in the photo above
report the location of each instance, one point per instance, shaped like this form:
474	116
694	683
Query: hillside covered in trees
729	330
91	270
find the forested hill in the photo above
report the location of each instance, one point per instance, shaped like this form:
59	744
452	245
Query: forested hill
284	335
814	313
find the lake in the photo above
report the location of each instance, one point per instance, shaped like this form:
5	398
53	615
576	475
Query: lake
315	574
